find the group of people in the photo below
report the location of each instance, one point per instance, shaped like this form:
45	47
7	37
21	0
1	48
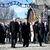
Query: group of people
40	32
24	30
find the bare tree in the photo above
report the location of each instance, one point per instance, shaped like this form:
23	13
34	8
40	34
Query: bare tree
11	13
6	13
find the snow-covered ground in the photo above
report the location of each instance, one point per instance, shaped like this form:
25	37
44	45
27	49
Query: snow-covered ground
20	47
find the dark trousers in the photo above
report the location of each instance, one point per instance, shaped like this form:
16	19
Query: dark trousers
20	37
34	39
12	42
40	40
26	42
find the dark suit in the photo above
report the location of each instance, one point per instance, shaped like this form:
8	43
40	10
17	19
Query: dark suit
14	28
26	34
41	33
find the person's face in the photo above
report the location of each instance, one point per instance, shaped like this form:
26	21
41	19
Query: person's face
39	20
14	19
45	23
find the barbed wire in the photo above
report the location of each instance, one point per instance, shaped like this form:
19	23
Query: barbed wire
14	3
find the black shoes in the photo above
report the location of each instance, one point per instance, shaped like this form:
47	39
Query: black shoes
12	46
40	44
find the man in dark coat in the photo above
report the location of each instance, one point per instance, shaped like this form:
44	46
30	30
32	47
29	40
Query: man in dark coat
39	30
26	34
14	29
41	33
